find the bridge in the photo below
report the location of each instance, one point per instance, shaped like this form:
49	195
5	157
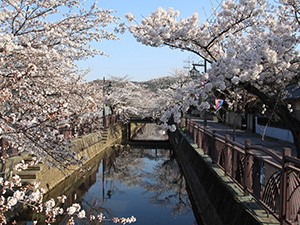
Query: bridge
145	143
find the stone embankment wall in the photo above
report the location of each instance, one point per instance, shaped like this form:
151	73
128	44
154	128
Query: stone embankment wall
87	148
216	198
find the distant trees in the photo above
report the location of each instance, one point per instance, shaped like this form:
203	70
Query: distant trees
252	46
131	99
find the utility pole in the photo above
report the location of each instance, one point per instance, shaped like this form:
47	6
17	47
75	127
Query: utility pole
194	72
205	111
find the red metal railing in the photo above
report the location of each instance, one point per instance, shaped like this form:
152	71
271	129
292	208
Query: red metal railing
274	180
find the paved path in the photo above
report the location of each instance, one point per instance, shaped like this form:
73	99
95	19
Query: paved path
242	135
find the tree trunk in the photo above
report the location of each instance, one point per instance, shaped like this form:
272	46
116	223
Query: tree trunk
281	110
293	125
297	143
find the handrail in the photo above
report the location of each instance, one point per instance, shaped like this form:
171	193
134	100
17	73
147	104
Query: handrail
67	132
272	179
267	151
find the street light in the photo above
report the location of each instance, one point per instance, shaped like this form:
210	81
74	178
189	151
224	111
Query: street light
103	101
105	89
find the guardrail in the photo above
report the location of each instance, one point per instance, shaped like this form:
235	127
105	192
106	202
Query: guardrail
70	132
272	179
66	131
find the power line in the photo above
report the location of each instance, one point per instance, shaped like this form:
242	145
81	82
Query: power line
215	10
192	59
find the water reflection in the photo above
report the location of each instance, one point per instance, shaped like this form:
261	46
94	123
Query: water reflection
148	184
125	181
167	186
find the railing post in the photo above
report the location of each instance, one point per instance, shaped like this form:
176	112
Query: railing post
228	156
195	131
204	142
214	152
247	167
188	127
107	121
199	138
283	187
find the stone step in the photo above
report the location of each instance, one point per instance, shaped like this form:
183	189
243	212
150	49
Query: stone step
28	181
35	168
104	135
29	159
27	174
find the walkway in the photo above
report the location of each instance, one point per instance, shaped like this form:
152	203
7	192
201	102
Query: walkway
242	135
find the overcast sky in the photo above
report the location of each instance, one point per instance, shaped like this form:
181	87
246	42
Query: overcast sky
138	62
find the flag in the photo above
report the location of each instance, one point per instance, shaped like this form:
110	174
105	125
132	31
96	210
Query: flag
218	103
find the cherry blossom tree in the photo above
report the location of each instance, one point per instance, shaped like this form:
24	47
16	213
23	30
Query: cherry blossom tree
150	99
183	93
130	99
158	98
252	46
40	84
42	90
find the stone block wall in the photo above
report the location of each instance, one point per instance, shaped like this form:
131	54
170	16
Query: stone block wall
87	147
216	198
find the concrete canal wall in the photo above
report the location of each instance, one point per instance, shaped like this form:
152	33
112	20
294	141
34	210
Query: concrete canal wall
216	198
87	148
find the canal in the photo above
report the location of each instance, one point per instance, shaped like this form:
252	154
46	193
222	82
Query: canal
132	181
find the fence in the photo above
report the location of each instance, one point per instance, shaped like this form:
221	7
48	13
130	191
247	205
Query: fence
274	180
66	131
70	131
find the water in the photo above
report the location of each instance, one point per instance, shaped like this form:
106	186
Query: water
145	183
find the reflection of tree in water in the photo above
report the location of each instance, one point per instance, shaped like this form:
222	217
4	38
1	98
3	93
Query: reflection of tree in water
163	182
121	165
124	165
167	186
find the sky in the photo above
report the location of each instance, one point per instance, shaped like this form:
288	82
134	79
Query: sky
129	58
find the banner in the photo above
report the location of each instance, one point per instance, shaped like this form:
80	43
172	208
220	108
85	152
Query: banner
218	103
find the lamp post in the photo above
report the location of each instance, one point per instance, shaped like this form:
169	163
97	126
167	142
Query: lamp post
194	73
106	89
103	101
